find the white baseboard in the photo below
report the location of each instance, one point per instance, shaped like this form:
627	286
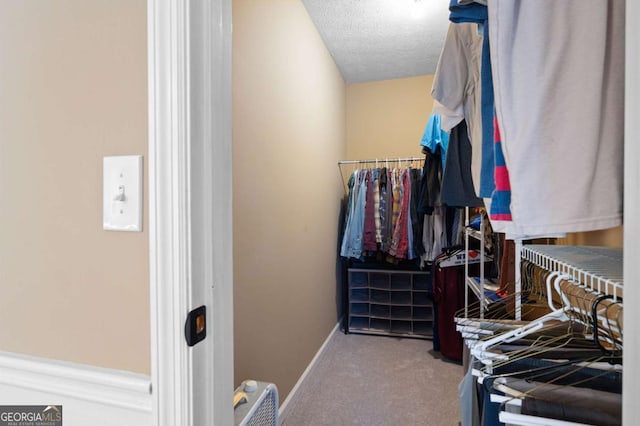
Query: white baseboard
88	394
283	408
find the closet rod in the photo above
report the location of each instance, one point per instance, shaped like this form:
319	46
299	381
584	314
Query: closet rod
393	160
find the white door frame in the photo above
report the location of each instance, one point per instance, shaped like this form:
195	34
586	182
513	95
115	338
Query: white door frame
631	368
190	235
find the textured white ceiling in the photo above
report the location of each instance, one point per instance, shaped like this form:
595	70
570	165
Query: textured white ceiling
381	39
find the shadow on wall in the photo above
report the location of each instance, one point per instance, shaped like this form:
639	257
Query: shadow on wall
341	264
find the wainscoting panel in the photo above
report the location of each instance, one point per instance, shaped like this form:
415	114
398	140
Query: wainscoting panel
88	394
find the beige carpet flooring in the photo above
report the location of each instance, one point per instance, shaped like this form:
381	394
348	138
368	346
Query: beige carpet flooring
377	381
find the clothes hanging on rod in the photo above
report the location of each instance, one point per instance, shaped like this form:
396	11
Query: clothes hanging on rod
553	115
486	75
394	213
457	185
533	186
456	84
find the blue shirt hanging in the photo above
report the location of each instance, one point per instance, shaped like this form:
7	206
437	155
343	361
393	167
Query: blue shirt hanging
434	136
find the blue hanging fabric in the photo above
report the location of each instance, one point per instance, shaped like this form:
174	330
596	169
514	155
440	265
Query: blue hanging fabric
434	137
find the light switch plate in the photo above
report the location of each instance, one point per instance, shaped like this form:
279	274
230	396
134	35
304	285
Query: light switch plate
122	193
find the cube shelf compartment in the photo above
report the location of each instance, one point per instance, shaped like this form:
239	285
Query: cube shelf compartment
390	302
401	298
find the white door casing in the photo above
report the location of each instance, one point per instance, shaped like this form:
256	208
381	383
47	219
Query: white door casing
189	71
631	368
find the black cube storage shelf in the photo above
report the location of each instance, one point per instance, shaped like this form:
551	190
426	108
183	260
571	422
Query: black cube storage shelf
390	302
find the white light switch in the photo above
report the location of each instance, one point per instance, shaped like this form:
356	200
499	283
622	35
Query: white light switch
122	193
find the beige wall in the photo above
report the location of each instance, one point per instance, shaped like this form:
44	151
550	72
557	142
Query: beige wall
606	237
72	90
288	133
386	119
